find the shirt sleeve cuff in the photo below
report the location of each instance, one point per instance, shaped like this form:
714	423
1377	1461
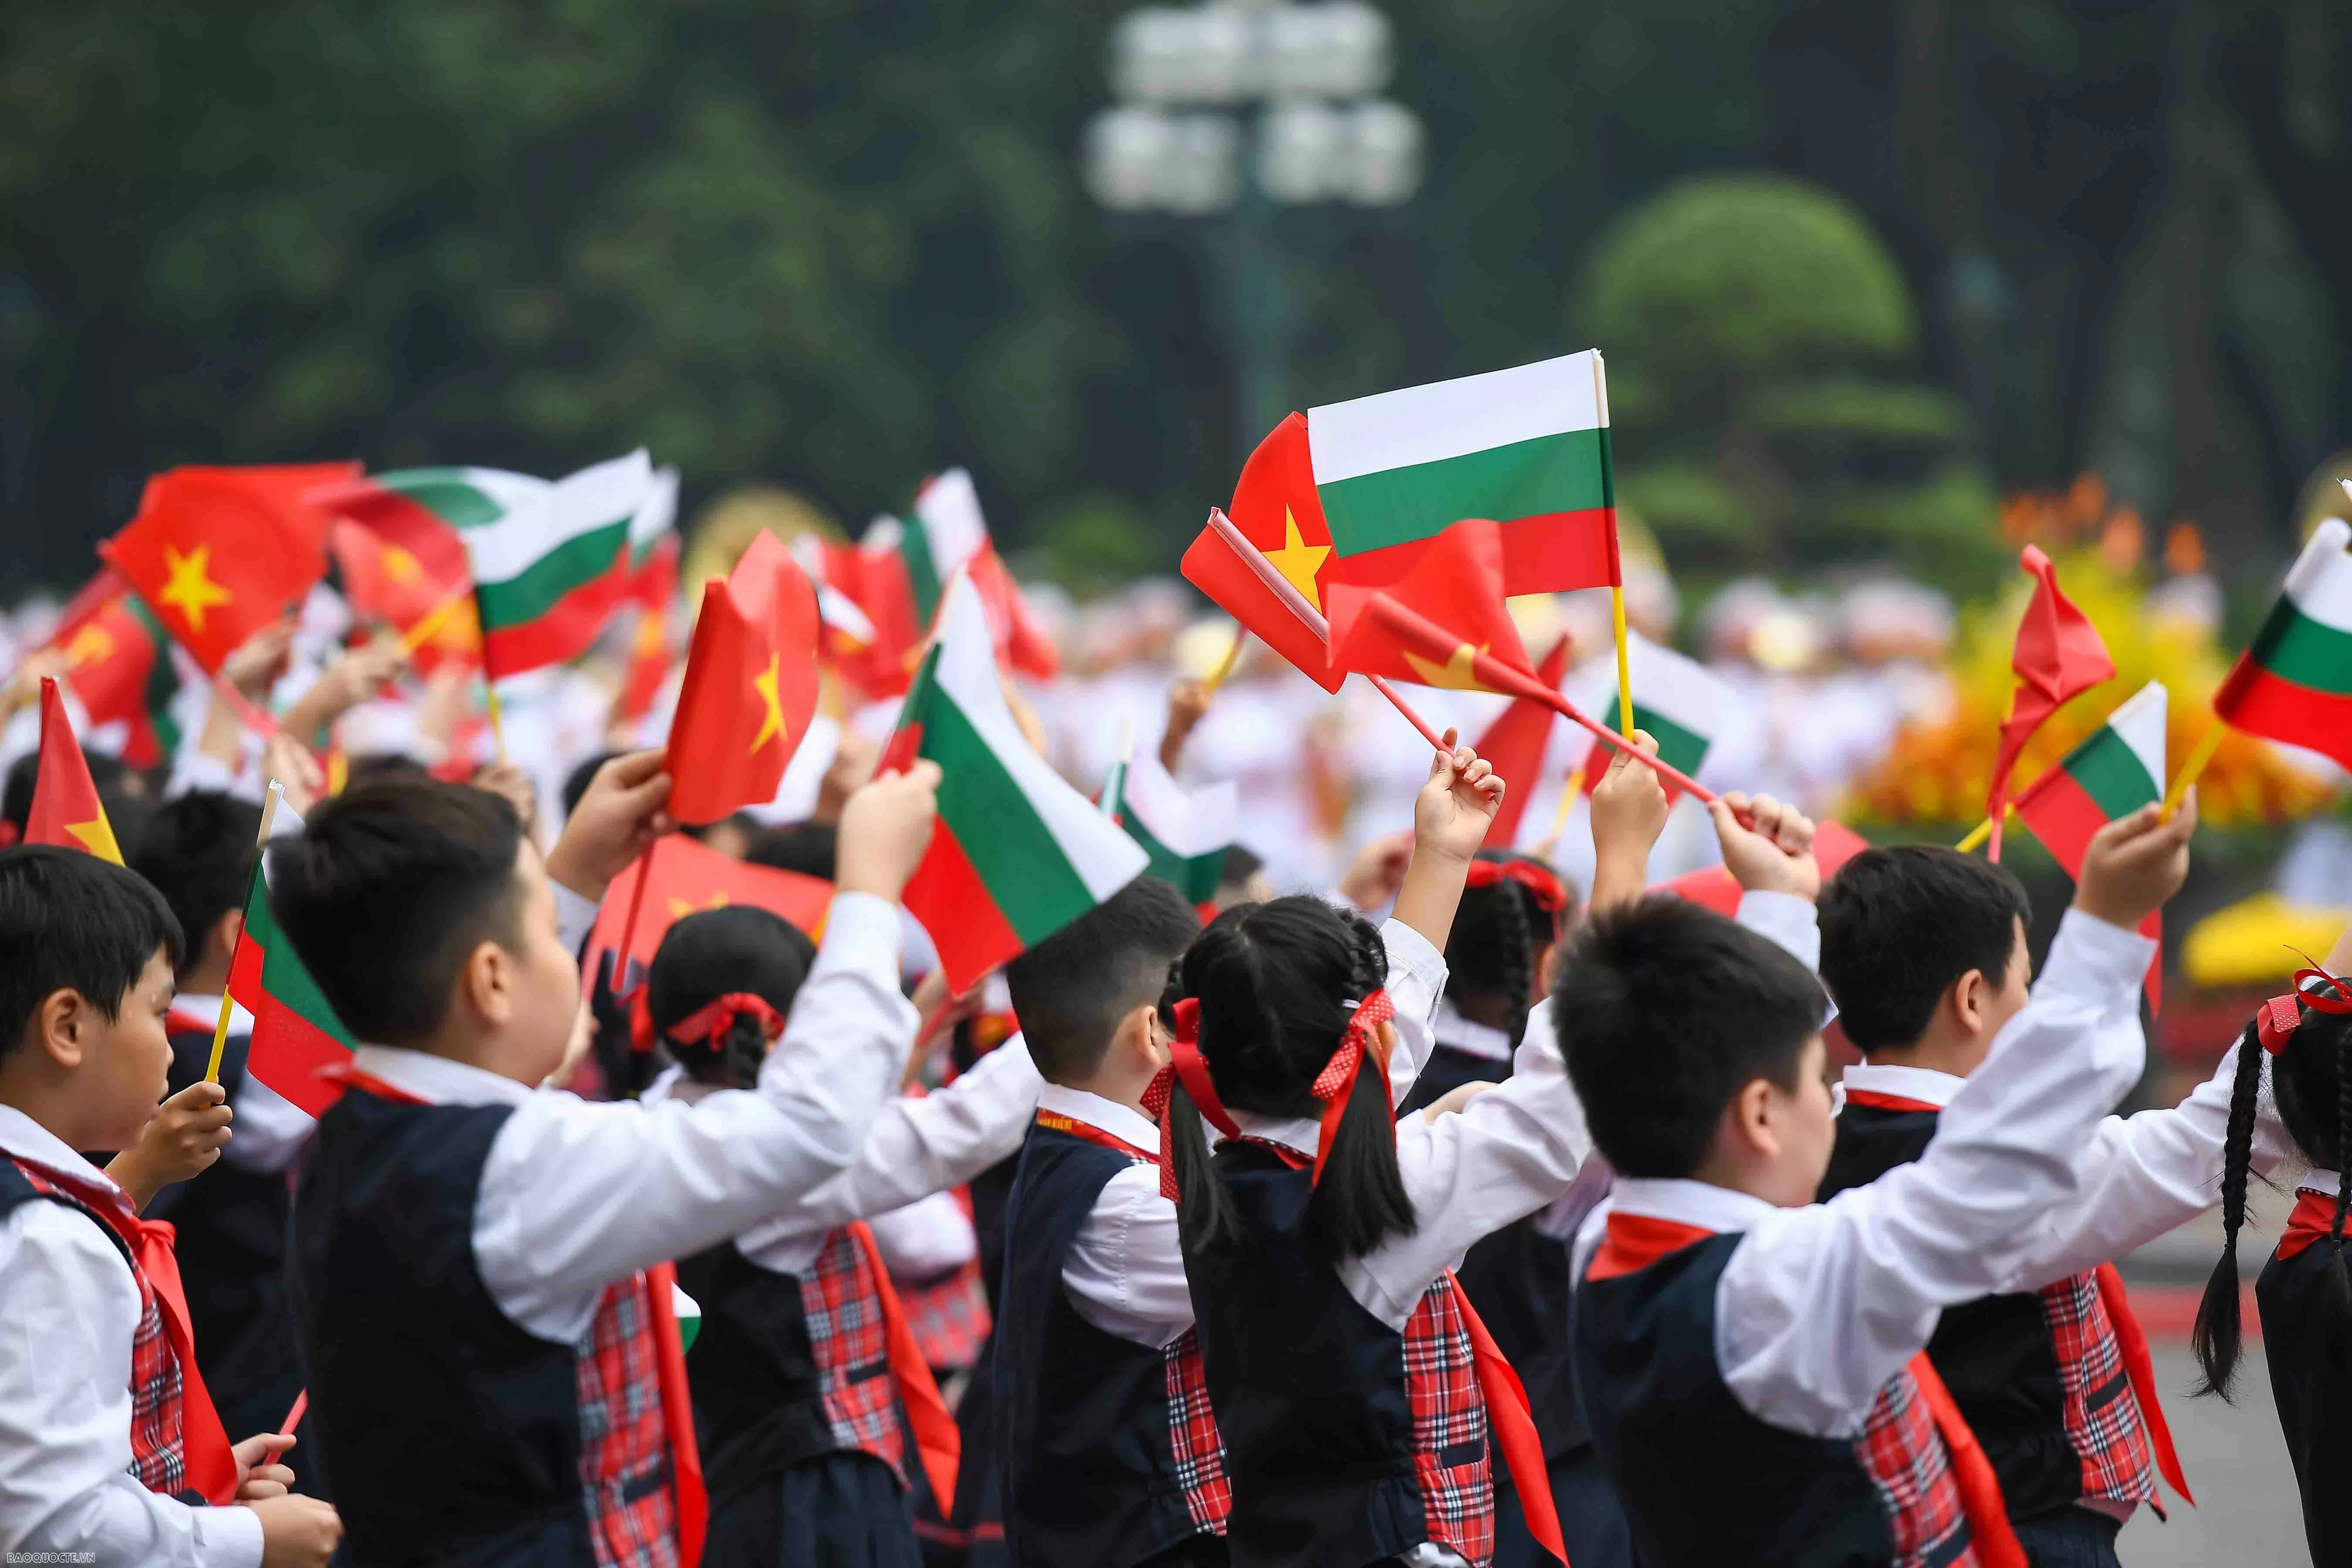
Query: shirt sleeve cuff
231	1537
1785	920
574	916
1408	949
2092	960
862	925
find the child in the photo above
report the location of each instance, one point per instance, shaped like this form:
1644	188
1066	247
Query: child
108	1449
197	851
1104	1450
1924	950
1749	1359
479	1275
811	1395
2303	1293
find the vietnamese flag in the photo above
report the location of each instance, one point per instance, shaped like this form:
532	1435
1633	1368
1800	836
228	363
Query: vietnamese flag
114	656
391	584
2058	656
1515	744
677	877
1835	844
750	686
298	1041
65	808
1456	587
1255	590
219	553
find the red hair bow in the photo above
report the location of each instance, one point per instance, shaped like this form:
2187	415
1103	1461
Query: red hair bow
2281	1016
1184	1063
1337	1079
1549	891
713	1020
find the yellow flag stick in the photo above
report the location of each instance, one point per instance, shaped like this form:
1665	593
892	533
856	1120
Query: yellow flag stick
417	636
1977	834
1569	789
2192	767
220	1030
1624	667
498	728
1232	657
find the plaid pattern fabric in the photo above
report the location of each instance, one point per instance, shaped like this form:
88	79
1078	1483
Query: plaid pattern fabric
842	1302
625	1460
1451	1452
949	1318
1193	1436
2102	1417
158	1459
1903	1454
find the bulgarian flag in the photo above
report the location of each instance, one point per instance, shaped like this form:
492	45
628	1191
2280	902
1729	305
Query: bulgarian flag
2293	683
2119	769
295	1032
1185	833
546	577
1017	853
1373	480
1676	699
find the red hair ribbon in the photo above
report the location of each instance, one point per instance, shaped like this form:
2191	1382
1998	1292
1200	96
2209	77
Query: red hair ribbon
1550	893
1337	1079
1184	1063
714	1019
641	1021
2280	1016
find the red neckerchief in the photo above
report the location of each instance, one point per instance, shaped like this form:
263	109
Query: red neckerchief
1062	1121
177	1022
688	1497
1633	1242
2313	1219
937	1442
1879	1100
350	1077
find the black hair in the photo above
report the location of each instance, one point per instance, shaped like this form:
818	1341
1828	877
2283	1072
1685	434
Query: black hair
714	951
1499	931
1240	864
576	782
381	767
198	850
386	891
1275	983
1071	989
808	847
1900	924
1665	1012
71	921
121	790
2311	1081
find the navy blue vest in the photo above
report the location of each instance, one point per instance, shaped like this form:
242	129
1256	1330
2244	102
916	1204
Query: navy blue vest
1995	1355
1086	1471
1705	1484
1308	1386
448	1435
2313	1395
759	1397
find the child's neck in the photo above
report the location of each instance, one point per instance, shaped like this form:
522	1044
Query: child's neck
1930	1051
493	1053
1120	1087
46	1103
1780	1186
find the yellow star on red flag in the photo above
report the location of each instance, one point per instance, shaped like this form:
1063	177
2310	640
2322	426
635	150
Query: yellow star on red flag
190	590
1299	560
772	723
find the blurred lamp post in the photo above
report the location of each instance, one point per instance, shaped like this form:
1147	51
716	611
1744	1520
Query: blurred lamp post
1232	109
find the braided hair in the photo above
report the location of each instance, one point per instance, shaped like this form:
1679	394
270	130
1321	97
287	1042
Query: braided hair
1276	985
708	955
1499	932
2217	1335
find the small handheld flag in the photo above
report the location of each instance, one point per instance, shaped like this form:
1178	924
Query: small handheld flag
66	808
2114	773
749	689
2058	656
296	1038
2293	682
219	553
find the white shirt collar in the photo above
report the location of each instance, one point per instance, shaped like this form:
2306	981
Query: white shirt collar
21	1135
198	1004
1122	1121
438	1080
1702	1204
1925	1084
2318	1181
1303	1133
1470	1038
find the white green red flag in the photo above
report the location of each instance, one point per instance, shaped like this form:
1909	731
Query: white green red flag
1677	700
546	576
294	1031
2119	769
1186	832
903	567
2293	682
1017	853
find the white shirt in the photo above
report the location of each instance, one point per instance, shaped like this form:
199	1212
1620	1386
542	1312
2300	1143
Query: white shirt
1819	1306
916	1147
267	1129
575	1194
927	1241
68	1313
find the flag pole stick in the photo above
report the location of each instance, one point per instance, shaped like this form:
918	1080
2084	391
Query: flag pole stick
260	843
1415	719
1977	835
1624	666
434	619
294	1416
2192	767
1569	788
636	898
1232	657
490	689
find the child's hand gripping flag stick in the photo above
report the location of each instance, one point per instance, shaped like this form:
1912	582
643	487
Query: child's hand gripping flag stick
220	1029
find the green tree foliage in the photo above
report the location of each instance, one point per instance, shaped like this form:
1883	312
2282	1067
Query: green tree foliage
1758	332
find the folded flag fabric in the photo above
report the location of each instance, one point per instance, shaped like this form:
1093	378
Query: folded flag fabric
1527	447
1515	744
118	663
1681	702
2058	656
1185	833
904	568
219	553
1456	586
391	585
677	877
749	689
2293	682
295	1032
66	808
1278	604
2119	769
1017	852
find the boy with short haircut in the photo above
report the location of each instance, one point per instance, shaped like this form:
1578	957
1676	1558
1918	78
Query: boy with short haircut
1751	1360
107	1446
1924	951
480	1273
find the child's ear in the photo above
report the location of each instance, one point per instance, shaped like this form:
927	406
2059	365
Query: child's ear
1967	1000
1138	1037
486	984
60	1026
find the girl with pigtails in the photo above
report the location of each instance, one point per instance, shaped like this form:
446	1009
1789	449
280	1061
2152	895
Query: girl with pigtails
2305	1291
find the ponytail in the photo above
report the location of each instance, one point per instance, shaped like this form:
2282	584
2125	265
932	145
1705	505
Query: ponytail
1359	1202
2217	1336
1205	1216
2339	1282
720	985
